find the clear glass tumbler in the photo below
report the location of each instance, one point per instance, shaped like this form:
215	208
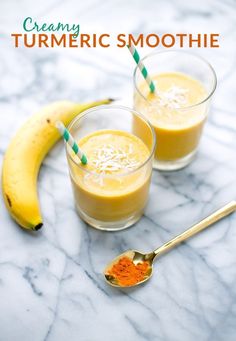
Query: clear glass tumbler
178	128
111	201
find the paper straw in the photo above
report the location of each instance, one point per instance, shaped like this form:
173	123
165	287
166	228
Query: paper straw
71	142
141	67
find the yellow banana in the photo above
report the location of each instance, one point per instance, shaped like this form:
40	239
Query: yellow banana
24	156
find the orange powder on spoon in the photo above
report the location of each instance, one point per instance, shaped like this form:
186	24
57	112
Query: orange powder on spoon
127	273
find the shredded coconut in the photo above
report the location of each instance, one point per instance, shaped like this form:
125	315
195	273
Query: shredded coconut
107	159
173	98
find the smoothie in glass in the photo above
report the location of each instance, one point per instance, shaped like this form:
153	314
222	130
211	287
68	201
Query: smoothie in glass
111	191
178	108
178	132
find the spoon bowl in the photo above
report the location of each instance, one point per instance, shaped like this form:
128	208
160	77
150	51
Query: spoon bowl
136	257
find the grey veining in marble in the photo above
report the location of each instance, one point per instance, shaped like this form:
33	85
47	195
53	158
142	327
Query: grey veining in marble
51	284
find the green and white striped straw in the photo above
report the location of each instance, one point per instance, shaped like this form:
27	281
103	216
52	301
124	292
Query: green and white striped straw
141	67
71	142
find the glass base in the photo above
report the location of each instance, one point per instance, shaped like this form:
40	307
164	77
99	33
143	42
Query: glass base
174	164
109	226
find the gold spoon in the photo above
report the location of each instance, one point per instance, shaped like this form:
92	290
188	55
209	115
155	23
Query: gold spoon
138	257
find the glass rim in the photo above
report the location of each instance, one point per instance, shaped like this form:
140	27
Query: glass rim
106	107
154	53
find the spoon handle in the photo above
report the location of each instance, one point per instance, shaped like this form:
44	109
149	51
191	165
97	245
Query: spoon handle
211	219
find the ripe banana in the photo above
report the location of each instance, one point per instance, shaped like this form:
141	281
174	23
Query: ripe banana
24	156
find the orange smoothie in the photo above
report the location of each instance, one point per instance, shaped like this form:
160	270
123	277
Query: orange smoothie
172	110
112	186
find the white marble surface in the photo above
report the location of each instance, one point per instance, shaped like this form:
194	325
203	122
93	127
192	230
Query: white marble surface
51	283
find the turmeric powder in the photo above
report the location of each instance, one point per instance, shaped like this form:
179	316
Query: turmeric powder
127	273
